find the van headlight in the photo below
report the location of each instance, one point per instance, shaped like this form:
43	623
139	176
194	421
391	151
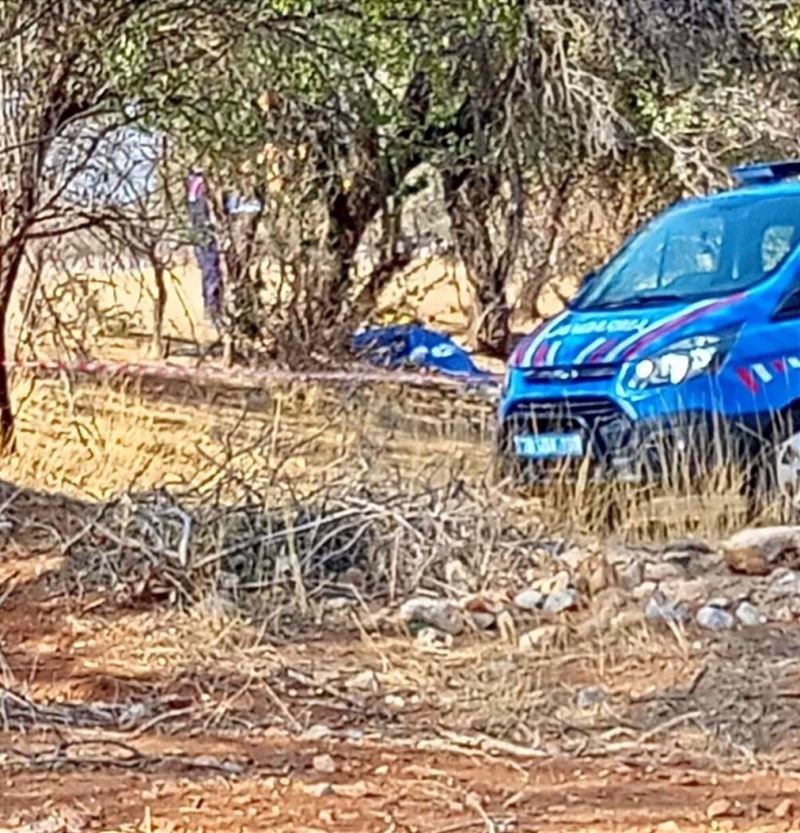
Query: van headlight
680	362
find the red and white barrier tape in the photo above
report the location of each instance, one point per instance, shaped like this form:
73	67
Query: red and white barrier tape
231	377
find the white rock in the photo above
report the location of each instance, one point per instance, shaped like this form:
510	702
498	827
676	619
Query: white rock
573	558
317	790
663	570
785	583
722	602
589	697
666	611
561	600
750	616
714	618
438	613
690	591
325	764
431	639
620	557
644	591
529	600
538	639
364	681
316	732
552	584
340	603
481	620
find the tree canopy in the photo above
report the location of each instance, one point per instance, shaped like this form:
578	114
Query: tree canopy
344	101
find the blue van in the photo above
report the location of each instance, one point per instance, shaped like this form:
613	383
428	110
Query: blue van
690	332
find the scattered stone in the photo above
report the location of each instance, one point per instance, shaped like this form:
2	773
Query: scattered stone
481	621
430	639
750	616
717	809
365	681
317	790
601	577
692	545
589	697
714	618
644	590
529	600
210	762
561	601
668	827
316	732
666	611
481	613
357	790
340	603
756	552
324	764
662	571
688	591
630	575
552	584
539	638
784	583
438	613
574	557
722	602
383	769
785	809
395	702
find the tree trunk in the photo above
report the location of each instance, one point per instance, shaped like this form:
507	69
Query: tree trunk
157	346
469	194
7	441
9	272
244	307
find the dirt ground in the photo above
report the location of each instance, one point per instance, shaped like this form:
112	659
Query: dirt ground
122	711
76	765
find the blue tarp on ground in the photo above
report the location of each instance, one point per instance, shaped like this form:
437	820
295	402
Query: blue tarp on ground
403	344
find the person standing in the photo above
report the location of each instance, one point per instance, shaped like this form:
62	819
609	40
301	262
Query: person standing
206	249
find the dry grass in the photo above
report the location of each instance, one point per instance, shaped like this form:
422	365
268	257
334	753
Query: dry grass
210	527
98	440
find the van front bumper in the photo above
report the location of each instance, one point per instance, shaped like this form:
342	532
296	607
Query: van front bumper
621	447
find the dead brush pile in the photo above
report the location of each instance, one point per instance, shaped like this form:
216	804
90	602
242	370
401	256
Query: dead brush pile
360	540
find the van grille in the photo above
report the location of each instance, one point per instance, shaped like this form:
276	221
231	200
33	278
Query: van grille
581	373
599	420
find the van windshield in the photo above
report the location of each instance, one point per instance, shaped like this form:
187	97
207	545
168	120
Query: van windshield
698	250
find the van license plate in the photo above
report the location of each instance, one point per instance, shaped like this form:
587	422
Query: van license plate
549	445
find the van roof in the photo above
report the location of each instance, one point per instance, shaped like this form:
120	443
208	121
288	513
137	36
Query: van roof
762	190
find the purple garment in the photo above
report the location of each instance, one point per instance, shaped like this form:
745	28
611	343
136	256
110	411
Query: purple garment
206	250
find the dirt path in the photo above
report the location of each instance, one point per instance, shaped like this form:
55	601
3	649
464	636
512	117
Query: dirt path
379	788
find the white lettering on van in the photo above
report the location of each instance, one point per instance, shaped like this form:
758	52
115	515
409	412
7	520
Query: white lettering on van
616	325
